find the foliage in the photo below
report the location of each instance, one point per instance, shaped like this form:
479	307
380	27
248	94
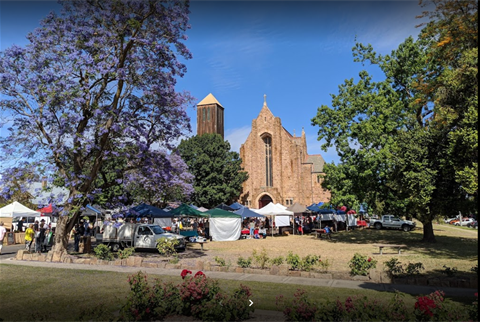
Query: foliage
166	246
126	252
360	264
414	268
217	170
261	259
96	85
293	260
473	309
475	269
308	262
324	265
409	143
432	307
197	296
244	262
449	271
103	252
396	268
220	261
175	259
277	260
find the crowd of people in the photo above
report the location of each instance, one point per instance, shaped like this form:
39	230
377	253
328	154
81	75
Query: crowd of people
38	236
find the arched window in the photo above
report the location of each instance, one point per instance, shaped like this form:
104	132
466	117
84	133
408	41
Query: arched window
267	140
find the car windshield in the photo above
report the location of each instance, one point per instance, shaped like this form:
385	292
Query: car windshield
157	229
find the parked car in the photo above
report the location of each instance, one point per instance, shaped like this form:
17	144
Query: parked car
464	222
474	224
448	220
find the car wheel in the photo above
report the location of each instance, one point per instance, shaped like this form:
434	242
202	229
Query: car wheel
457	224
469	225
406	228
115	247
378	226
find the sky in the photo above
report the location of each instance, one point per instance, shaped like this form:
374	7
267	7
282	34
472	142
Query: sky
295	53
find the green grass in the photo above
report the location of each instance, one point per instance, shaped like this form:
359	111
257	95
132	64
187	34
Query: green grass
34	293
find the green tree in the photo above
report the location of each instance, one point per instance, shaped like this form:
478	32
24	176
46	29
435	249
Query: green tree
217	170
409	144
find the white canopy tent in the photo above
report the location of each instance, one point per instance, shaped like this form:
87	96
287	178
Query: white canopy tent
13	210
16	209
280	214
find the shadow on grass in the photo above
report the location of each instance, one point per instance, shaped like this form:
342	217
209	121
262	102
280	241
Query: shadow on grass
447	247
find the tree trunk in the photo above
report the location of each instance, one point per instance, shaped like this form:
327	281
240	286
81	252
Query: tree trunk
62	231
428	236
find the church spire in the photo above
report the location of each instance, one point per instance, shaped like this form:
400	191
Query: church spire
264	99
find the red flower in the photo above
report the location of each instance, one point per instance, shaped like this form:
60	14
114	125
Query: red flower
199	273
184	273
369	259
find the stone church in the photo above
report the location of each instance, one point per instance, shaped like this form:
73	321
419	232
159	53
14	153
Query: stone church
279	167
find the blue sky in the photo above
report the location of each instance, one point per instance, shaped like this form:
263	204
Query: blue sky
297	53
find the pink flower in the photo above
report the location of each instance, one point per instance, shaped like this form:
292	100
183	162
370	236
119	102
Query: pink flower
184	273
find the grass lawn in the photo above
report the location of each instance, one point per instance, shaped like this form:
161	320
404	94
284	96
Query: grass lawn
51	294
455	247
34	293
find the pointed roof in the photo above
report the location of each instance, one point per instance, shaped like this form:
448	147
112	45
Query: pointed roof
209	99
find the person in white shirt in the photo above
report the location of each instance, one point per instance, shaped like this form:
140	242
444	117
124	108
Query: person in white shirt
3	232
262	232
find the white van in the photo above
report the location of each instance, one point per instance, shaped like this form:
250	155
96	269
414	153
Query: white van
31	220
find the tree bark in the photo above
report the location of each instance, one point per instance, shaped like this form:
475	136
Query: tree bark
428	235
62	231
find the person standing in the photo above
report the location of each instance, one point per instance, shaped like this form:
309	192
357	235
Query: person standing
3	232
20	225
40	238
29	235
252	227
207	229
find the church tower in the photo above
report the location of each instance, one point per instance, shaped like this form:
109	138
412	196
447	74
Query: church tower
210	116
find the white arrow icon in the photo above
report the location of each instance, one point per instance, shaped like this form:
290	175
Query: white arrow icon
250	302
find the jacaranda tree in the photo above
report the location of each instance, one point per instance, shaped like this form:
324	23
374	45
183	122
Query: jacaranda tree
95	83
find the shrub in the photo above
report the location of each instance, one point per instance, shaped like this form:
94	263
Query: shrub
103	252
197	296
324	265
166	246
307	263
220	261
126	253
261	259
394	267
244	262
450	272
432	307
277	260
175	259
414	268
360	265
473	309
293	260
474	269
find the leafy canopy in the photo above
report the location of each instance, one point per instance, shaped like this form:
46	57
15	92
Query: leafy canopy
96	83
217	170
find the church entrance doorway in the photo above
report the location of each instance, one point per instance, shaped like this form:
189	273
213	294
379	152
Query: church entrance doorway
265	200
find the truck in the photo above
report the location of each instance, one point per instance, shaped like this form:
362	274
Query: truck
137	236
392	222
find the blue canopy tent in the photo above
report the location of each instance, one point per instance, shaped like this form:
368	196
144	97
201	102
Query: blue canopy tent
314	207
245	212
236	206
158	216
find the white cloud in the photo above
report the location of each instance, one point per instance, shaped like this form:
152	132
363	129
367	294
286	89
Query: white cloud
236	137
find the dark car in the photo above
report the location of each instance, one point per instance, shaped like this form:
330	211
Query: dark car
474	224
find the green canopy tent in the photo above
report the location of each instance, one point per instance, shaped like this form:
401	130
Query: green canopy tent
224	225
186	210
